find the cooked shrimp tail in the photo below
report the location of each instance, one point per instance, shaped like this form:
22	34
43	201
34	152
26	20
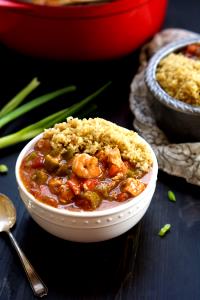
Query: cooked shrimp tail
86	166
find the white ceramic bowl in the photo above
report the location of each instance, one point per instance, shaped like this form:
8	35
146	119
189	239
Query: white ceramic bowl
83	226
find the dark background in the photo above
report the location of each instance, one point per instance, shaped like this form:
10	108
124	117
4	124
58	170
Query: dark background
136	265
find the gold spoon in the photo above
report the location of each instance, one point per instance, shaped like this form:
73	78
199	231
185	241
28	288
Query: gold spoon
7	220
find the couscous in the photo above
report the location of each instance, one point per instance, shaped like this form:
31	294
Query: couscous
179	75
79	164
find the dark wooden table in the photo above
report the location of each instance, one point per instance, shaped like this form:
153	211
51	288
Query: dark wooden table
136	265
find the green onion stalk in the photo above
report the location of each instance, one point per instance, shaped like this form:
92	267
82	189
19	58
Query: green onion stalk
13	103
33	104
34	129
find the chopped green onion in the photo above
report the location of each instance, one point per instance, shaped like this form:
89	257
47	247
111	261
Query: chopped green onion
36	128
164	230
3	168
171	196
13	103
34	103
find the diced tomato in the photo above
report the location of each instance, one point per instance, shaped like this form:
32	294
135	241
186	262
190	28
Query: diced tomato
74	185
89	184
193	50
35	193
37	162
122	197
113	170
83	203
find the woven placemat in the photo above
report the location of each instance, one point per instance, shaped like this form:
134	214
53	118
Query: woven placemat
183	159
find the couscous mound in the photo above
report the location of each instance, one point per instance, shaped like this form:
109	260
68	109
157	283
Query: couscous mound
91	135
179	76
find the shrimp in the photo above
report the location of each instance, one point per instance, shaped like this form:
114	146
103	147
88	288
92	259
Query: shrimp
86	166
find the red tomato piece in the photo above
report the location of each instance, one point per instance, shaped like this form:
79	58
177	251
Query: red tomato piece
113	170
193	50
122	197
74	185
66	193
37	162
83	203
89	184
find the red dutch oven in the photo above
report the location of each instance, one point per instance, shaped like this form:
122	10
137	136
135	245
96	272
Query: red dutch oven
82	32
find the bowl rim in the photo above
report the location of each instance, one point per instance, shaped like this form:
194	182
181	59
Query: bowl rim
88	214
81	11
153	85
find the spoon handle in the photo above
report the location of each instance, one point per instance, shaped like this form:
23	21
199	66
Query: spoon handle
36	283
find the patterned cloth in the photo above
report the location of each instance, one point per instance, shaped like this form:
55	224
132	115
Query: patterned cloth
183	159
